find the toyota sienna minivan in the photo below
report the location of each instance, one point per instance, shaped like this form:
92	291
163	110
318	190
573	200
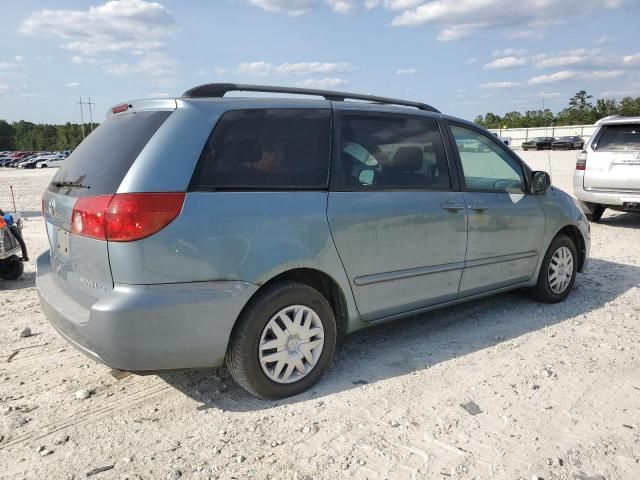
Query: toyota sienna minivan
203	230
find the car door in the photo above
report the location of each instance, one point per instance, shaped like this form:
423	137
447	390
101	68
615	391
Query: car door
398	225
506	223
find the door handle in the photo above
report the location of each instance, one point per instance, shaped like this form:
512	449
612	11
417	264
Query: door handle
452	206
478	206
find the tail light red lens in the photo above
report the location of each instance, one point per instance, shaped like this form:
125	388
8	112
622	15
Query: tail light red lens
125	217
87	218
581	161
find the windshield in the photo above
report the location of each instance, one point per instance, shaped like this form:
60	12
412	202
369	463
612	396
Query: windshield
102	160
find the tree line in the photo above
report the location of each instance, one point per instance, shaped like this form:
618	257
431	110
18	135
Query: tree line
27	136
580	111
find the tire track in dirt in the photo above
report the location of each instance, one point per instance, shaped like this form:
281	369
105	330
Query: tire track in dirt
134	398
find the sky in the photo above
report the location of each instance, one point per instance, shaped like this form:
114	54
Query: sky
465	57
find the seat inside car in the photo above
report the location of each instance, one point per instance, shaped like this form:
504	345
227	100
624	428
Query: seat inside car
405	167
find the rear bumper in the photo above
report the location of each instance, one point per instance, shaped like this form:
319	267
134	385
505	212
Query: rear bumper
600	197
147	327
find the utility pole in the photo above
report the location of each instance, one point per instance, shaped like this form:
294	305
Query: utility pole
90	115
81	117
89	103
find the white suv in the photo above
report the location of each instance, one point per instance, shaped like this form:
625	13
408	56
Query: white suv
607	171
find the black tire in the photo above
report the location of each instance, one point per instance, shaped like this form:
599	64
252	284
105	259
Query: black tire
11	269
242	354
542	292
596	213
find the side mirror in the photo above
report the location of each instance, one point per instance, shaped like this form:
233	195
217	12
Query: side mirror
540	182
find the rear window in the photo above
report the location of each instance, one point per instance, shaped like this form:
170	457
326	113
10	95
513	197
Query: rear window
620	137
103	159
267	149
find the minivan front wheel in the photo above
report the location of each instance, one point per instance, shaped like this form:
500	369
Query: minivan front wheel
557	272
283	342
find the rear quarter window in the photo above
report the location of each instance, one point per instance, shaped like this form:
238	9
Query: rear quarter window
620	138
103	159
267	149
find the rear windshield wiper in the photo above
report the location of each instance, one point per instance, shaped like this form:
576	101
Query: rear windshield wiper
69	185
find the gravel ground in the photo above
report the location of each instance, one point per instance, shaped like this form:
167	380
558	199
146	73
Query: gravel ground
557	386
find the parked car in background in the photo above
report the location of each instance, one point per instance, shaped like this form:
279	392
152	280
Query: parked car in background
260	248
607	171
54	161
538	143
568	143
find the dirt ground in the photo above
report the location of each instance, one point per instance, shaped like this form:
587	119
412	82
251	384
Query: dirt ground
557	386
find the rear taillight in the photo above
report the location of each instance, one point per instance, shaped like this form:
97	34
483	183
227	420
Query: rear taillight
581	161
125	217
87	218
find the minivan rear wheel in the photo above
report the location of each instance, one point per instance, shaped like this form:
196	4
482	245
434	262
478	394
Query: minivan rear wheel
283	341
557	272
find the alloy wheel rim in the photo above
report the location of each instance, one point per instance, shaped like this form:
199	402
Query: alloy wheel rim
291	344
560	270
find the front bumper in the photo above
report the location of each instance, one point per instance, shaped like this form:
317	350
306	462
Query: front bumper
146	327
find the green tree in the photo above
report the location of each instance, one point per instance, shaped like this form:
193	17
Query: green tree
7	136
629	107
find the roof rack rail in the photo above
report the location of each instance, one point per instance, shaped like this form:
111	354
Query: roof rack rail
220	89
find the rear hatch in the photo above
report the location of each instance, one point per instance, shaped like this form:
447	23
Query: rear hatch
96	168
614	163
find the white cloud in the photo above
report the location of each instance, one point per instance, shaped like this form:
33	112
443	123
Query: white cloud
117	25
79	60
575	75
157	67
602	40
500	84
509	52
461	18
4	88
8	66
322	83
255	69
524	34
109	33
604	74
581	57
19	58
292	7
471	61
552	78
308	68
263	69
632	59
406	71
506	62
342	6
72	84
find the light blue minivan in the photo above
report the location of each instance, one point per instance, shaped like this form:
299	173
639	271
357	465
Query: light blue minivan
190	232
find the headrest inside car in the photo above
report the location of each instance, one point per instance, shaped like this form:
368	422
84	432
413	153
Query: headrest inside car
408	159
